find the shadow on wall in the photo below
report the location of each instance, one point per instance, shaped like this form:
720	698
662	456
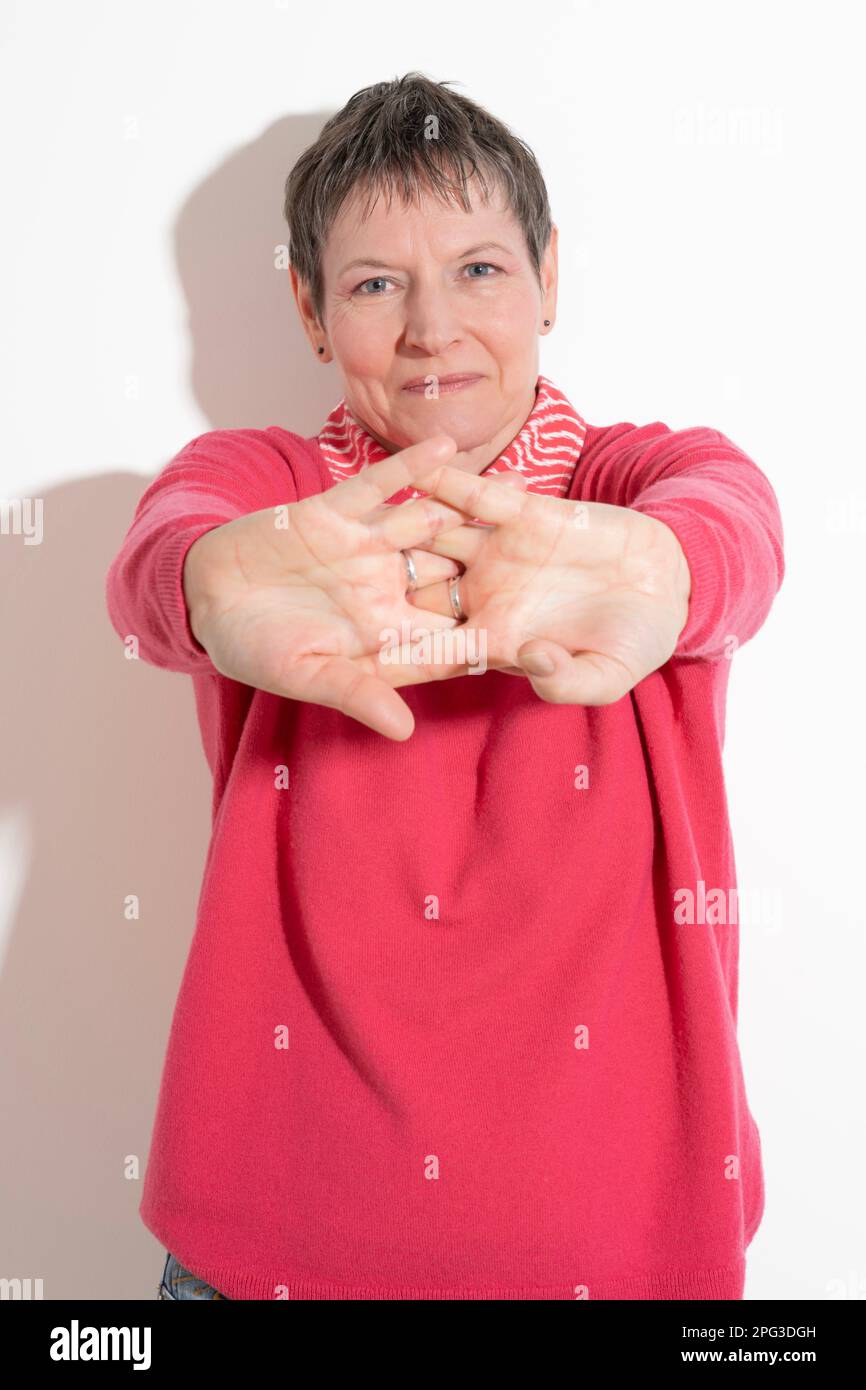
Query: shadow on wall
106	789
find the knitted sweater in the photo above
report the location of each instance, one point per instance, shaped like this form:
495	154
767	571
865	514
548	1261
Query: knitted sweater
458	1019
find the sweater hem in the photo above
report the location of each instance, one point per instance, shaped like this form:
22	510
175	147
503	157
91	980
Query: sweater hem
724	1283
720	1282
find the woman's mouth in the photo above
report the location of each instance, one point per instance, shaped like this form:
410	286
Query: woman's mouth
440	385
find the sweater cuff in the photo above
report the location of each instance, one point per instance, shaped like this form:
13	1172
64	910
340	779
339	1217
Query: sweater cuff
707	596
168	581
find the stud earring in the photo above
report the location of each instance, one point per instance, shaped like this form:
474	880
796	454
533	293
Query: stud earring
547	323
321	349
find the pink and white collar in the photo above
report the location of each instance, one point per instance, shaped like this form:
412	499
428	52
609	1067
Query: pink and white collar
545	451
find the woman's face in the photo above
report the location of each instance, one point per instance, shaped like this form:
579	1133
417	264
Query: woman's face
430	290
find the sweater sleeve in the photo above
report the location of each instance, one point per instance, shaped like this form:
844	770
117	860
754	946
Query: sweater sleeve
215	478
726	517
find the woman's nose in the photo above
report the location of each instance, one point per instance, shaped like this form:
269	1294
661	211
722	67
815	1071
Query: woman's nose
431	324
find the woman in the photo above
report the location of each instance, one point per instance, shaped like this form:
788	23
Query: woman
459	1014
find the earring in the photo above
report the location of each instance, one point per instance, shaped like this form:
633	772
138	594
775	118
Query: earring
321	349
547	323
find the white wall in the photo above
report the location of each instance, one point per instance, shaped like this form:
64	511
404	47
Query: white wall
704	166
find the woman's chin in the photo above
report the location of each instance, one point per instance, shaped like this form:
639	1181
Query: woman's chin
446	415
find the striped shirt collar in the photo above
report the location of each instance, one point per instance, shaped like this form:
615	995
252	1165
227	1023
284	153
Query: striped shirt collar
545	451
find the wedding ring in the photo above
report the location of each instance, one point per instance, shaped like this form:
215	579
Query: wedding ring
454	595
411	572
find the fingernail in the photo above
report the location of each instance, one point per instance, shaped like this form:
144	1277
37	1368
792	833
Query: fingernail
537	664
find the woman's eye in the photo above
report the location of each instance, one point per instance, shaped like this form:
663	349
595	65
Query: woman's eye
378	280
382	280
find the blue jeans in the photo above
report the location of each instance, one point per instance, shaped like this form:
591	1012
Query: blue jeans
179	1282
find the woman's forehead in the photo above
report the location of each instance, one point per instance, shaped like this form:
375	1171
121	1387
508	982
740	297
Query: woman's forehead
428	225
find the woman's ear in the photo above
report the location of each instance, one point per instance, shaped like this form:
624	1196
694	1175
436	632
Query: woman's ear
549	276
312	326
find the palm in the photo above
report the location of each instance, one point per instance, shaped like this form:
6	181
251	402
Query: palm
539	583
326	589
293	600
602	584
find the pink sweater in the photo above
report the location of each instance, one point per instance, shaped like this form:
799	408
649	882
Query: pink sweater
447	1028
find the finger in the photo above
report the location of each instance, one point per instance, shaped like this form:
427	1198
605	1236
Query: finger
414	673
373	485
481	498
463	655
413	523
461	543
418	522
401	673
435	598
509	478
589	678
429	646
431	621
421	652
351	687
438	658
431	569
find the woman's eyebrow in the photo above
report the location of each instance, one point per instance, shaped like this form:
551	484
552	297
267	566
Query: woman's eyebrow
386	265
486	246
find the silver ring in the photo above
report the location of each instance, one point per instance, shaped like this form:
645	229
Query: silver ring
411	571
454	595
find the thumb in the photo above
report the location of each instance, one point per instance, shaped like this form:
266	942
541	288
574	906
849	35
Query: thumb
588	678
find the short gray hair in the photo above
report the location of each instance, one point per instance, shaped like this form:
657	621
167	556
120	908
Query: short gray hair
405	136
